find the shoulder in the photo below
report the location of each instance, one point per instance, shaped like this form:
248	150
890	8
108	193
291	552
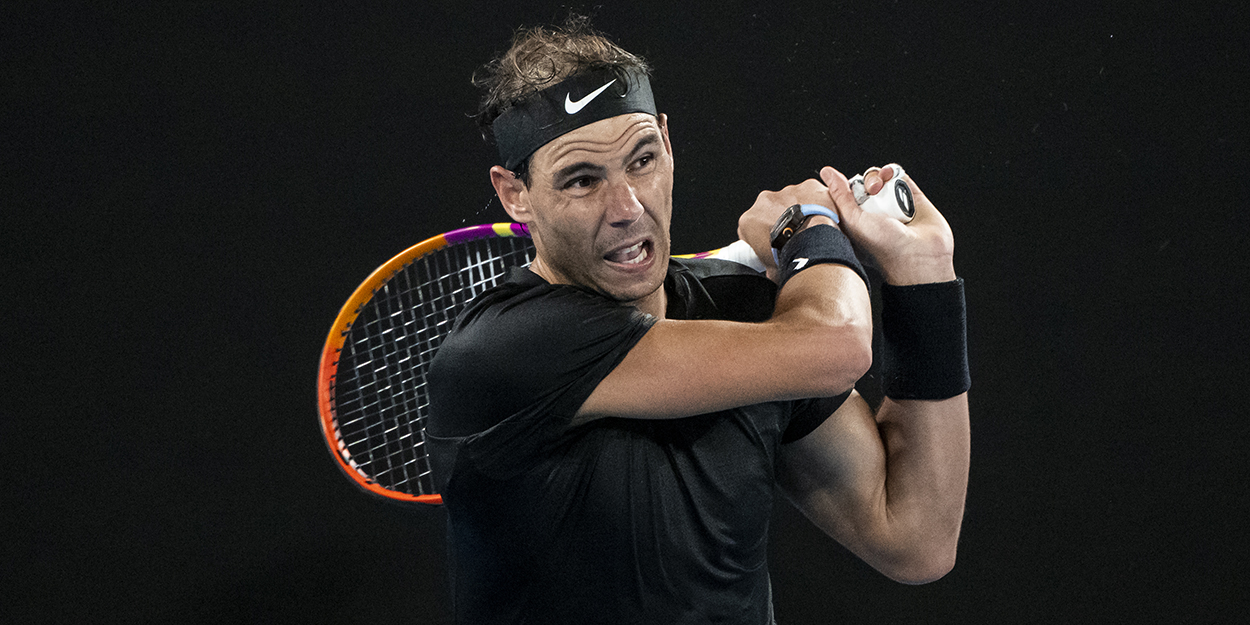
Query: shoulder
528	324
712	288
523	342
703	268
529	308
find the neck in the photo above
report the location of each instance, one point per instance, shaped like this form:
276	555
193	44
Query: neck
654	304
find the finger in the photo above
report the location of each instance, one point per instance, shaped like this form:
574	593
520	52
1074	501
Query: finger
891	171
839	191
872	180
876	177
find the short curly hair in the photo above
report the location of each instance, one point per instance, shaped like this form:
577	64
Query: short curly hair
542	56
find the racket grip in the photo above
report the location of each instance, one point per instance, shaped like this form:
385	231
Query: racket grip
740	252
893	200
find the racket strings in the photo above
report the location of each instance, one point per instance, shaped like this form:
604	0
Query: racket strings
380	390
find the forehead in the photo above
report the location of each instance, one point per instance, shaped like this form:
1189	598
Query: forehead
602	140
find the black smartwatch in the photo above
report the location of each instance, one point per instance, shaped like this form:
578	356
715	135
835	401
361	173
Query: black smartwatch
792	220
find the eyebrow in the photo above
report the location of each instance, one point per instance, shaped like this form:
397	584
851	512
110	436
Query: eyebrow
585	167
647	141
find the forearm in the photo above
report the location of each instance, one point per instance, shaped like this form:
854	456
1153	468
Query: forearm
924	419
823	287
822	312
822	280
927	445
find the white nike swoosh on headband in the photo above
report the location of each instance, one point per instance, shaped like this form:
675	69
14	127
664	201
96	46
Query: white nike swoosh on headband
572	107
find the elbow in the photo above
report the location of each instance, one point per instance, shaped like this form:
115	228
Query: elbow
922	567
833	354
851	356
862	359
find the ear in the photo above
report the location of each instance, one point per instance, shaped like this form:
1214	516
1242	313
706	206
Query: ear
512	193
662	120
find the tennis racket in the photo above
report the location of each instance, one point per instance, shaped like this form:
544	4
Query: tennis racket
371	387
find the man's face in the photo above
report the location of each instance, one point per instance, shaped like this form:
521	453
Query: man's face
600	201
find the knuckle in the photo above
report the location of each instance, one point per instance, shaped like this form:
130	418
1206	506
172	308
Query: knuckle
811	185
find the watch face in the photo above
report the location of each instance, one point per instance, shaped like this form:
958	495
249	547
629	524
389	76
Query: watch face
790	221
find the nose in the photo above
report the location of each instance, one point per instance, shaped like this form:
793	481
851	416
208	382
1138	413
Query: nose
623	205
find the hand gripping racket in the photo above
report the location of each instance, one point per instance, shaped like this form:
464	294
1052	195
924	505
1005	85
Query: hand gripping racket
371	388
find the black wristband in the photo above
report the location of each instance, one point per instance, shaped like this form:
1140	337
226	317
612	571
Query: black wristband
924	327
813	246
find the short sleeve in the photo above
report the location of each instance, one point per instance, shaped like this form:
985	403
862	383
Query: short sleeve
807	414
516	350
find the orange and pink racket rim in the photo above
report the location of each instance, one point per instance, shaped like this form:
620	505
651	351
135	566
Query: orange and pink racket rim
342	324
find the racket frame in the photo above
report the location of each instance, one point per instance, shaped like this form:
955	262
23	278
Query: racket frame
342	326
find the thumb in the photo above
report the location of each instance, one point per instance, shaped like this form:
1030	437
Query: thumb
840	192
849	211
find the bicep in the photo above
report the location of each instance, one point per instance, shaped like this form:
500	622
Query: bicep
836	475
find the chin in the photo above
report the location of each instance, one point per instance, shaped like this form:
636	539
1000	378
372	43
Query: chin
641	288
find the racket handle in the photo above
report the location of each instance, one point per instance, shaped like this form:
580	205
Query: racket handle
893	200
739	252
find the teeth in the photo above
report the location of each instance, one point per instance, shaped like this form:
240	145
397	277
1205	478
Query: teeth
642	255
631	255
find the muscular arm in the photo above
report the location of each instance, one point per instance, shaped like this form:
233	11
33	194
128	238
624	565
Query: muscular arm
817	343
890	485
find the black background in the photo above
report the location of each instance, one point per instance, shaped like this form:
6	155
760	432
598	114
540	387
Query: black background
190	192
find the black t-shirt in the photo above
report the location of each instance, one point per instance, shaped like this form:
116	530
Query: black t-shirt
616	520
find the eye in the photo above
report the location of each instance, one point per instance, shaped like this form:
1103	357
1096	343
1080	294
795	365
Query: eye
646	160
581	182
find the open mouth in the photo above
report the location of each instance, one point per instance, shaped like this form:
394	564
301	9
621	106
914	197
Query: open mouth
635	254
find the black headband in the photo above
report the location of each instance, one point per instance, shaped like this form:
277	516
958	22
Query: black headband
579	100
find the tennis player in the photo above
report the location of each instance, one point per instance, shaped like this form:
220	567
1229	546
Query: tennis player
609	426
